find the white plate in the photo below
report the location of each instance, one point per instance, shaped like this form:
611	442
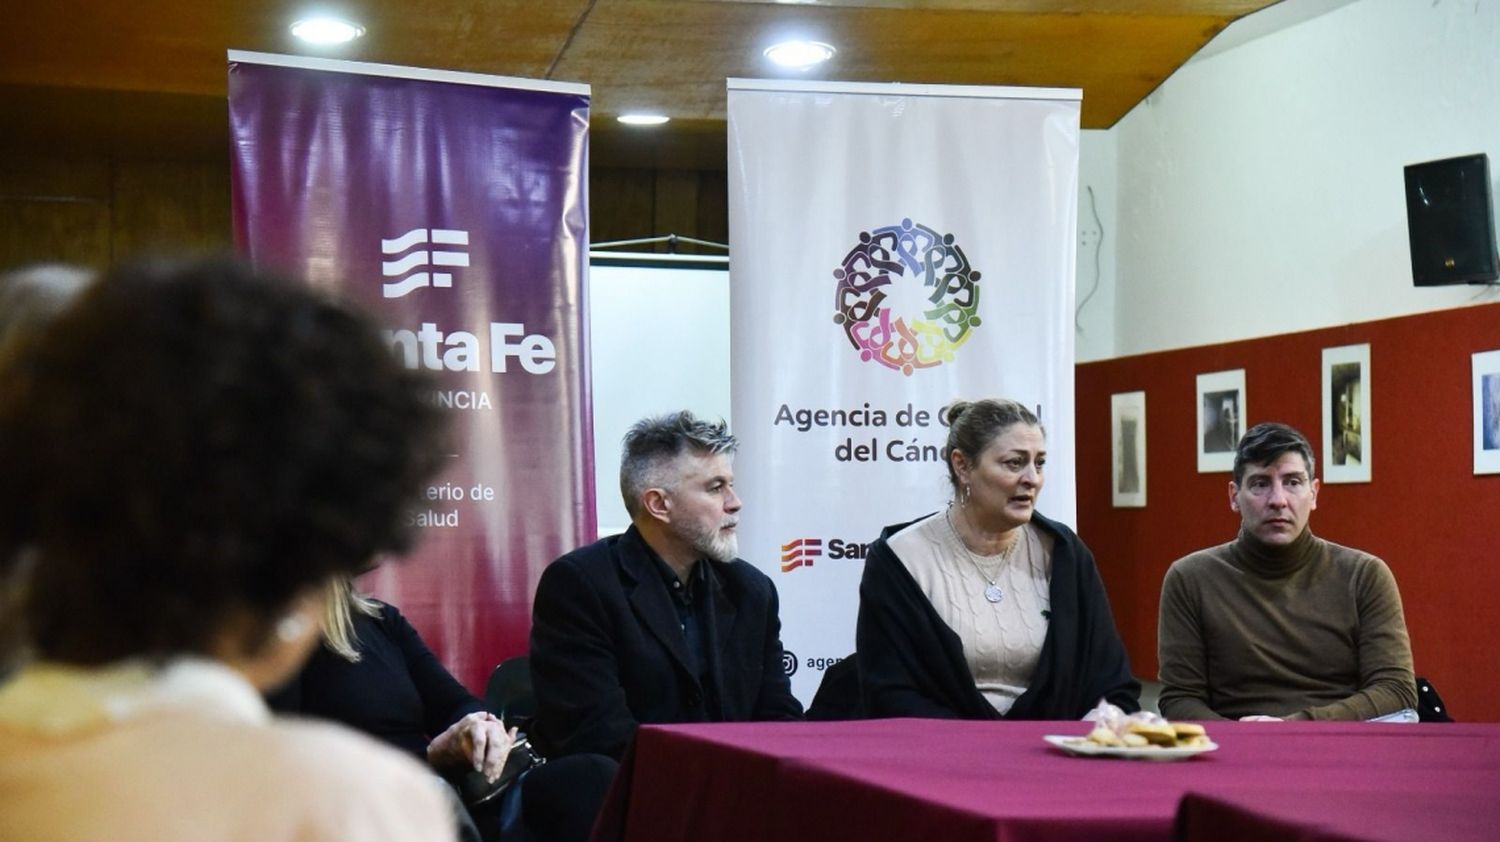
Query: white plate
1082	747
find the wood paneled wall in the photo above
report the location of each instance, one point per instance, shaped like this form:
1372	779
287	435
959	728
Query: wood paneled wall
628	204
99	211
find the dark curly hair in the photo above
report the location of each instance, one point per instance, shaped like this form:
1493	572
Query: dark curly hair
198	440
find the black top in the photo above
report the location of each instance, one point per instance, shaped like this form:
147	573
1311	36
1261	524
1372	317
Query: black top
912	664
608	649
398	692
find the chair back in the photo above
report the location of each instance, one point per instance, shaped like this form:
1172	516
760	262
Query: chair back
1430	707
838	694
508	693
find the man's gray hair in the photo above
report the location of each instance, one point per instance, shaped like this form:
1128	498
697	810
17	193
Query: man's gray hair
652	444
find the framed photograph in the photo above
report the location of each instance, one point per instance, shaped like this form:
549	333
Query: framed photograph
1127	423
1487	412
1346	414
1221	419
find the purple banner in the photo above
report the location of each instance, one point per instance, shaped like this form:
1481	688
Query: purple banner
453	207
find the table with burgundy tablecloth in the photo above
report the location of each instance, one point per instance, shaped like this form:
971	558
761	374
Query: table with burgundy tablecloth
970	781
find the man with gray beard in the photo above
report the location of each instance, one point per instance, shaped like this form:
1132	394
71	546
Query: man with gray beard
662	623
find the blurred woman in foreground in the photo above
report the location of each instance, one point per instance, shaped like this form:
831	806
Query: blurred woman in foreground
192	452
30	298
987	609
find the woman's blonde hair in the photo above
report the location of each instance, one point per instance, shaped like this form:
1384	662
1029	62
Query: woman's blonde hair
338	617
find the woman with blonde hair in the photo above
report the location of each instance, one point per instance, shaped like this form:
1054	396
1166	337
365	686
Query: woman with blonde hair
374	673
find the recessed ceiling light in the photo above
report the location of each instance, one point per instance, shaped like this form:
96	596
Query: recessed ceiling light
643	119
800	54
326	30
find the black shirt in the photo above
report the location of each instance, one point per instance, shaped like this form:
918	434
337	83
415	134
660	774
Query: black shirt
398	692
689	598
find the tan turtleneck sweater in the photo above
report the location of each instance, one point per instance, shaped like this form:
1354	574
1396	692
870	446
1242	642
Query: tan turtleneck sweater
1312	630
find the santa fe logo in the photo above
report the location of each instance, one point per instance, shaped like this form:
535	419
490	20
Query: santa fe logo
422	259
800	551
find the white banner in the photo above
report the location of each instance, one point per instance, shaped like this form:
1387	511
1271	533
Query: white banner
895	247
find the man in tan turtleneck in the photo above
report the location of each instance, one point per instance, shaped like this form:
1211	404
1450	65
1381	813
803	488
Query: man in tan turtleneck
1278	623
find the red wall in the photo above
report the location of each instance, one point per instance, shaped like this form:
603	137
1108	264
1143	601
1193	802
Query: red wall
1426	514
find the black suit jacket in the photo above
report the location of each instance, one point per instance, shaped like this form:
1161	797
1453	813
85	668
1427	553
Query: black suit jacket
608	653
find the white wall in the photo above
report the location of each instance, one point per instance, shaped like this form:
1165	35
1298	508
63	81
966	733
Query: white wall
1095	335
658	343
1260	188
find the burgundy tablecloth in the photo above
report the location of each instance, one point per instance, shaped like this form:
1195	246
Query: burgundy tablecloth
960	781
1332	814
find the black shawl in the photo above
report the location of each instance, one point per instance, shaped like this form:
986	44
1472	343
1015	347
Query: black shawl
912	664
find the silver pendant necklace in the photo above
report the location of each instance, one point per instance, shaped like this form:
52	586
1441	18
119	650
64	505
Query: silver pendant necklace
992	591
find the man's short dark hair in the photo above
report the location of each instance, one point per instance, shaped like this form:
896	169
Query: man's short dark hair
1265	443
195	441
653	443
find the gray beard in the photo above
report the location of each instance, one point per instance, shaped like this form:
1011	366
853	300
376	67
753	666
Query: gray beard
712	544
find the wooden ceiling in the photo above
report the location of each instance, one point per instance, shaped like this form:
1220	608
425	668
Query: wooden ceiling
147	77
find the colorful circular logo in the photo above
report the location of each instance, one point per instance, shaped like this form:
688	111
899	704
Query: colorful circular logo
891	320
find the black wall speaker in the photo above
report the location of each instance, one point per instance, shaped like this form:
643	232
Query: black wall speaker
1450	221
